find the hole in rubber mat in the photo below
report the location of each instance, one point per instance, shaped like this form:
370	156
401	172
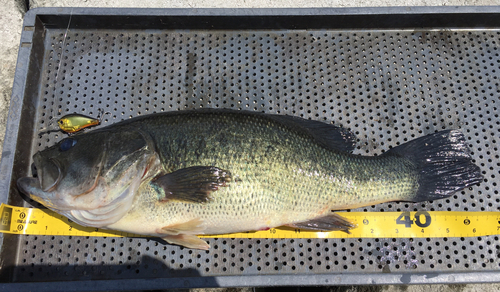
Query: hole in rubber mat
387	87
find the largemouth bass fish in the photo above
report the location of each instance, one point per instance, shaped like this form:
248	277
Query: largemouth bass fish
179	174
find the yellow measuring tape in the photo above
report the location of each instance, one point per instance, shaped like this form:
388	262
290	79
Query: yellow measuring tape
20	220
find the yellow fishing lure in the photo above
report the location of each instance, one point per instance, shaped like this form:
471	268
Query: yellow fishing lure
73	123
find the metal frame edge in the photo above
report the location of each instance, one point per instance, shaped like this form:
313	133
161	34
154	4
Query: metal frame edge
266	11
15	108
256	281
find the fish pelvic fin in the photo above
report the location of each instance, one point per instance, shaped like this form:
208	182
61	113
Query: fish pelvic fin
194	226
184	234
187	240
330	222
193	184
443	164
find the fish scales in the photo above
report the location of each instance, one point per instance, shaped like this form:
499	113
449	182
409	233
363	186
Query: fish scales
280	175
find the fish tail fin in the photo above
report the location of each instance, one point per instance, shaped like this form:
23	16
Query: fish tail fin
443	163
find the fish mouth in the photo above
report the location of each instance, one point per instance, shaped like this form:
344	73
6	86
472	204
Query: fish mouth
28	184
31	187
49	175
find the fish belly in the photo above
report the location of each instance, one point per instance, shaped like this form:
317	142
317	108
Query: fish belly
265	199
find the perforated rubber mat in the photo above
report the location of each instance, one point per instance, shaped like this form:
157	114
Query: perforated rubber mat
387	86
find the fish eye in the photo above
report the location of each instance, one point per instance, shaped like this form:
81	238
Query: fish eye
67	144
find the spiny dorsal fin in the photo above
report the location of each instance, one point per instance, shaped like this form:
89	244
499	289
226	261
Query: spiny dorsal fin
193	184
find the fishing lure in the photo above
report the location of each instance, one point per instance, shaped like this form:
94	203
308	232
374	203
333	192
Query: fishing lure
73	123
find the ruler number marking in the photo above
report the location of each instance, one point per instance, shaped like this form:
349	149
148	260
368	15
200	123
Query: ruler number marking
427	219
405	219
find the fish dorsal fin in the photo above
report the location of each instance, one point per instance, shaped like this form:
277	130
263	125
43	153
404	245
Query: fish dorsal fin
330	136
193	184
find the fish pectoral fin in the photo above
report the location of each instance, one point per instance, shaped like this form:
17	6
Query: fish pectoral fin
190	227
187	240
193	184
330	222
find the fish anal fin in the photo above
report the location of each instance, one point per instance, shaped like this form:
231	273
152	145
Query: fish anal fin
193	184
194	226
330	222
187	240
